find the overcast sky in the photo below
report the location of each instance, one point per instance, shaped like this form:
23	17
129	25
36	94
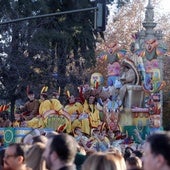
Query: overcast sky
165	6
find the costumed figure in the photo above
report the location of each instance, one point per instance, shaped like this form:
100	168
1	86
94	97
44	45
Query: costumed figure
30	108
111	117
113	73
57	118
96	80
78	117
115	97
45	105
4	119
136	56
91	144
152	86
153	82
56	104
129	76
4	116
103	143
80	137
112	56
90	107
154	123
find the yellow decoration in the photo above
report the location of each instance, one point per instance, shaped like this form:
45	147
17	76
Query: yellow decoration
44	89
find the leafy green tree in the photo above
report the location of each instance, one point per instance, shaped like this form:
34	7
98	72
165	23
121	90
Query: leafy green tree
67	38
36	49
33	51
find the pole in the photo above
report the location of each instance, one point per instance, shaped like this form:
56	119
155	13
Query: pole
47	15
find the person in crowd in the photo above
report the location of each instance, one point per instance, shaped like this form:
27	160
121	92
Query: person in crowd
33	157
133	162
60	152
137	153
104	161
51	134
157	152
80	157
39	139
2	153
128	152
14	157
30	108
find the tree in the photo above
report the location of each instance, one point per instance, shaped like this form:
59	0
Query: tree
36	49
70	40
15	67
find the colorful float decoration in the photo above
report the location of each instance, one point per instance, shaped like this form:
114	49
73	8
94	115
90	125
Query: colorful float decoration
141	99
134	82
96	80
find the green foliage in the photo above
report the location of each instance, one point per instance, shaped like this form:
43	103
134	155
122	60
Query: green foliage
35	49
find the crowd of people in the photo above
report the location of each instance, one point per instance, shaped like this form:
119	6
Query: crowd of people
60	151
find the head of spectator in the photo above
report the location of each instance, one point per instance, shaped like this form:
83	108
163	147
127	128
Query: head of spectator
14	156
41	138
51	134
137	153
2	152
133	162
60	152
33	157
118	157
157	152
80	157
104	161
128	152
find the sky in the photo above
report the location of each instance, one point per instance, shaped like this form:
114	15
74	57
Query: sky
165	6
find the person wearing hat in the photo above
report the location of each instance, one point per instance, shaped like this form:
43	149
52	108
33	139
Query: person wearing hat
30	108
90	107
57	109
40	120
75	110
55	103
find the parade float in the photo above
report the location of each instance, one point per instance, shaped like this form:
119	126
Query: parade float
135	82
142	82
